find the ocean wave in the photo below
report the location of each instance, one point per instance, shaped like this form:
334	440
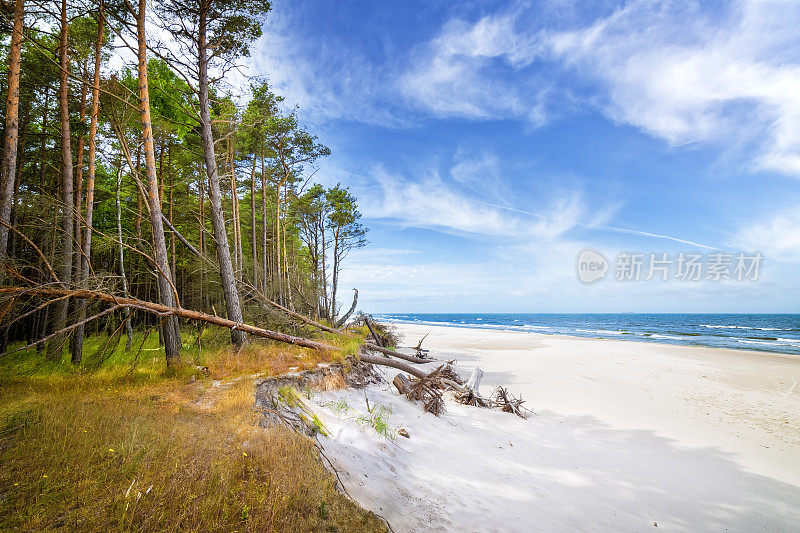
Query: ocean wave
743	327
601	331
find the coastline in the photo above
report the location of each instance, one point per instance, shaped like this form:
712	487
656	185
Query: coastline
626	434
761	343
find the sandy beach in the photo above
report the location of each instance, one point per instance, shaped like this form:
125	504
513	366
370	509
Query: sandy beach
626	436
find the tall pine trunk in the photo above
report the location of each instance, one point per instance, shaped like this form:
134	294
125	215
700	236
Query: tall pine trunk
61	308
9	167
227	277
86	242
170	331
121	251
264	243
253	242
77	262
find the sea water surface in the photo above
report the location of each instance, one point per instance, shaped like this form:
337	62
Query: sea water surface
778	333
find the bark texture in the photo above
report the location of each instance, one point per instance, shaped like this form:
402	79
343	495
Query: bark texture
170	329
9	167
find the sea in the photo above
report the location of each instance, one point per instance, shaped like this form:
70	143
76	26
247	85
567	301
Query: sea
779	333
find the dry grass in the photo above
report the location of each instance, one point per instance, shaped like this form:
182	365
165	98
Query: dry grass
145	451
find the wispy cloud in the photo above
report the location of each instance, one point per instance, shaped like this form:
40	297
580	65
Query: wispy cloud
326	78
671	69
685	75
777	237
430	202
596	223
455	75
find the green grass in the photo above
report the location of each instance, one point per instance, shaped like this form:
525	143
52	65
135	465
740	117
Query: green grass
127	445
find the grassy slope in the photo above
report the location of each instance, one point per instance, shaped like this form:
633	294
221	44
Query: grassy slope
120	448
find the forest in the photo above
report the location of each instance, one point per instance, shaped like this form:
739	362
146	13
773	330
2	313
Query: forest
138	162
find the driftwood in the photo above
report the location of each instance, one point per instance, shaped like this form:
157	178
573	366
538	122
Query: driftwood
378	340
430	388
508	403
427	387
339	323
401	383
429	391
399	365
387	351
421	352
471	395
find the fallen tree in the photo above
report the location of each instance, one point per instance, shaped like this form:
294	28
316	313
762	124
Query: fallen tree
427	387
165	311
399	365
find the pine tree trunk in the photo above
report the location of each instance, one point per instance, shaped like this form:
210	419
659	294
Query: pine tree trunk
139	206
334	277
264	242
170	330
77	262
235	212
9	165
61	308
253	241
121	249
77	344
227	278
202	201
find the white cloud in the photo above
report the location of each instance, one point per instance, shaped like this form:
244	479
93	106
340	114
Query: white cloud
429	202
323	77
480	170
730	76
687	76
776	238
452	75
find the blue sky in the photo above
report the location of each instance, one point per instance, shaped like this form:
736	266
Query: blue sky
490	142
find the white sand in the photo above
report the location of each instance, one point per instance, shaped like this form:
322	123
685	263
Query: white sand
626	435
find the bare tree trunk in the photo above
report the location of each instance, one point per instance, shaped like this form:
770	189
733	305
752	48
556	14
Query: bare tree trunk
61	308
202	236
334	277
77	343
9	168
21	154
170	330
325	301
237	243
339	323
128	325
77	262
253	242
278	270
174	259
264	242
285	271
138	222
227	278
43	141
